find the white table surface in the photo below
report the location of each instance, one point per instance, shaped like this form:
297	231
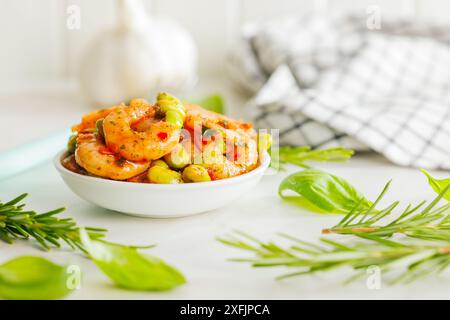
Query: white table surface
189	243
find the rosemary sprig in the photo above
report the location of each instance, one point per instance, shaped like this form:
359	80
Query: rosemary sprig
45	228
430	222
428	253
420	259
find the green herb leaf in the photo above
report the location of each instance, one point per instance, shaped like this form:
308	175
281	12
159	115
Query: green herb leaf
128	268
299	155
438	185
213	103
325	191
30	277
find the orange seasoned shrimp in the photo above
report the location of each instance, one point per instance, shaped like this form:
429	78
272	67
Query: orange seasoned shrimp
95	158
240	154
235	162
126	135
213	120
223	169
88	121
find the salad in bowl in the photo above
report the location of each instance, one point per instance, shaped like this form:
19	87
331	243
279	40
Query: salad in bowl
162	148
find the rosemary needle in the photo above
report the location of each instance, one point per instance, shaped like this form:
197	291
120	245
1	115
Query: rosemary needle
431	222
47	229
420	258
424	248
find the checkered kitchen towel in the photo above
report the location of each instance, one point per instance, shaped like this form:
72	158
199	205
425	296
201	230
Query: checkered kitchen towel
328	82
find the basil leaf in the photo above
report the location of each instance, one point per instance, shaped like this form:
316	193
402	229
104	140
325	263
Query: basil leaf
299	155
34	278
213	103
328	192
128	268
438	185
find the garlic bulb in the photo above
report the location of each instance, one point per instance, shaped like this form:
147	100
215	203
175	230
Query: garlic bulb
140	56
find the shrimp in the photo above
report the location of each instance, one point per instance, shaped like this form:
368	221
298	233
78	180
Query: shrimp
223	170
151	138
209	119
88	121
240	154
95	158
225	166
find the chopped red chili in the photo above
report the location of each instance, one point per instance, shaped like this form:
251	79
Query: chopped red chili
162	135
105	150
211	174
232	155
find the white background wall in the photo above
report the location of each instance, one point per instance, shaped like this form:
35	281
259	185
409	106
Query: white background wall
37	49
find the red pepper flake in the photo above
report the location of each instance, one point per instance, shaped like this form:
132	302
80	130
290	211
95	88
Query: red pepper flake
211	174
232	155
162	135
206	140
87	132
105	150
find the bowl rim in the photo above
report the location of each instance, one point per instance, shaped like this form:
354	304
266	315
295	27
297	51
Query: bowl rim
255	172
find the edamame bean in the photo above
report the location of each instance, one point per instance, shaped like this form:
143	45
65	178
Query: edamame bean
212	154
162	175
264	142
159	163
195	173
172	107
99	127
178	158
72	143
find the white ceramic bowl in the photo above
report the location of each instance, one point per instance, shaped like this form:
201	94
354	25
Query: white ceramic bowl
160	200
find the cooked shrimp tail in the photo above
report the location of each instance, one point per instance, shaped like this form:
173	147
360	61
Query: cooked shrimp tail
92	155
153	139
89	120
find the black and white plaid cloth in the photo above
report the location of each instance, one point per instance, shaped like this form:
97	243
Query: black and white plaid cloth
328	82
